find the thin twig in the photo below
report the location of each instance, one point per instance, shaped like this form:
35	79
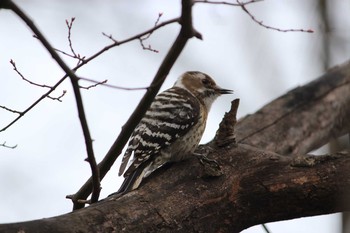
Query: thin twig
34	104
6	146
93	85
59	98
74	80
227	3
85	61
149	47
11	110
104	83
36	84
136	37
265	228
260	22
75	55
70	25
25	79
110	37
146	37
65	53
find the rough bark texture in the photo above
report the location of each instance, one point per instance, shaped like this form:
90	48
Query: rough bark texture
256	185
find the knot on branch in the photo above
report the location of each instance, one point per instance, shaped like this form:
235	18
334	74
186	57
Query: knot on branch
225	135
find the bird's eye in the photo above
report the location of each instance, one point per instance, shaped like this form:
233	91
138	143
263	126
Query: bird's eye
205	81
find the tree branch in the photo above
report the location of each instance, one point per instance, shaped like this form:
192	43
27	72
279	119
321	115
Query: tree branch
244	8
227	3
59	98
104	83
261	23
146	37
25	79
74	80
7	146
252	185
84	62
11	110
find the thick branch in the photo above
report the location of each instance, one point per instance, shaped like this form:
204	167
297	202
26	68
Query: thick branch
303	119
254	183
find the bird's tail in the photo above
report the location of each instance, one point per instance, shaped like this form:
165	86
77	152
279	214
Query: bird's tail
134	179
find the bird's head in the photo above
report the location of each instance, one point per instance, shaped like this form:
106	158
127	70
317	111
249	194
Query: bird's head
201	86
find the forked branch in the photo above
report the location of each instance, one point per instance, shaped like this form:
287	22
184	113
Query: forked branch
87	60
74	80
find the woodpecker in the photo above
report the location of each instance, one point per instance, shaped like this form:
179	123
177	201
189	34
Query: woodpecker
171	129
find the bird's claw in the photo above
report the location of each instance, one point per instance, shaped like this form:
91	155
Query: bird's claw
211	166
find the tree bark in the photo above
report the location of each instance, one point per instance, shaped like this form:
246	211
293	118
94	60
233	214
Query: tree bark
257	183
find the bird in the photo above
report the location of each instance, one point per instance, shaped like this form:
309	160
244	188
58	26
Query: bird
171	128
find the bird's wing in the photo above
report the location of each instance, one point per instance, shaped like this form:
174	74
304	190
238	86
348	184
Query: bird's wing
172	114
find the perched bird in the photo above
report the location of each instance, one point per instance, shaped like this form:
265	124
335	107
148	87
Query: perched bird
171	128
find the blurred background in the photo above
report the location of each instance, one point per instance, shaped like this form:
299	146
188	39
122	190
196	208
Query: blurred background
258	63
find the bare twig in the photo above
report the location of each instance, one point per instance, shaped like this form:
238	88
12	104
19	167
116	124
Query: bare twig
36	84
149	47
59	98
260	22
74	80
11	110
25	79
110	37
6	146
85	61
141	38
65	53
69	26
75	55
94	85
34	104
136	37
187	31
104	83
265	228
227	3
146	37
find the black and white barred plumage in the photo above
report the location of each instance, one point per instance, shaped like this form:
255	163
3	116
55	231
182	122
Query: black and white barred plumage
171	128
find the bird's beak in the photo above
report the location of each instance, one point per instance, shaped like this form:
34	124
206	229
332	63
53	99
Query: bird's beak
224	91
